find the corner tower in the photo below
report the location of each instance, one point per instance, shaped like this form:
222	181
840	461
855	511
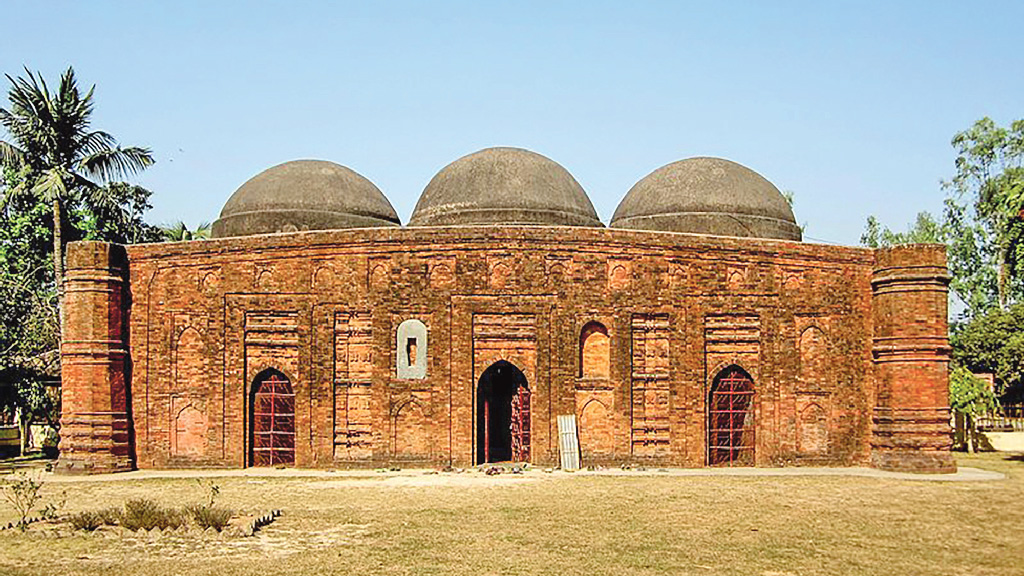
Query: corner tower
95	425
910	349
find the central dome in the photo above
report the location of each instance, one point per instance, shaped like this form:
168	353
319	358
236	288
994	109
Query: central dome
504	186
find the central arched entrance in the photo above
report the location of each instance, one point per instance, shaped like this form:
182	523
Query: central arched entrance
503	415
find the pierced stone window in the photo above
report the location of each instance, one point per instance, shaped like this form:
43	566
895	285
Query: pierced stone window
411	350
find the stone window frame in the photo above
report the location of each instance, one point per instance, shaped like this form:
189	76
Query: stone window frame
412	329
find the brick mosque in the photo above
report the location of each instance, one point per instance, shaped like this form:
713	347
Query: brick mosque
315	330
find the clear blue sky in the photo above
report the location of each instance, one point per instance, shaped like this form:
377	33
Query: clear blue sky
850	105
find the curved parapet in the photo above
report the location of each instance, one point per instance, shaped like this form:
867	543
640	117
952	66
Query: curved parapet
911	356
95	430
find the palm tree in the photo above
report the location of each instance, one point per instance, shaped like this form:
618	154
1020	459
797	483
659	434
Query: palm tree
179	232
57	156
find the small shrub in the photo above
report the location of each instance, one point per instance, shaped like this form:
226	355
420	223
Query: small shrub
146	514
22	493
110	516
207	516
87	520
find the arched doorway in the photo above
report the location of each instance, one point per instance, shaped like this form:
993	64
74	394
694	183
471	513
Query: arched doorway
731	419
273	420
503	415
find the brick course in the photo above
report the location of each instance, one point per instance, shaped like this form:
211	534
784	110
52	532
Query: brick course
846	346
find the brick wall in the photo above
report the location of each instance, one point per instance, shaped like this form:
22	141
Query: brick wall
206	318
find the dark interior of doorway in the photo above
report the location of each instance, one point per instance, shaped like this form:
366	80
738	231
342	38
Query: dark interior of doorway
503	415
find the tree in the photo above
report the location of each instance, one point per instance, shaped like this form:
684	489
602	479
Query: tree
56	187
990	172
28	320
58	157
993	343
116	215
926	229
179	232
982	226
982	223
969	397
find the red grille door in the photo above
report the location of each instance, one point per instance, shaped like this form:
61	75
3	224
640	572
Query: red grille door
273	421
520	425
731	419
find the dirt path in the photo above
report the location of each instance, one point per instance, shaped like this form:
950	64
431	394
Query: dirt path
425	477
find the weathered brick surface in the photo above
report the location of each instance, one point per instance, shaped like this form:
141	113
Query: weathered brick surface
911	352
95	422
626	329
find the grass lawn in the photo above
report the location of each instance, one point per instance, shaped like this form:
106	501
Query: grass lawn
561	524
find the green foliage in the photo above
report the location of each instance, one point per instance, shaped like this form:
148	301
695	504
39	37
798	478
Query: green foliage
61	182
982	224
969	394
53	155
926	229
971	261
973	274
993	342
180	232
147	514
116	216
51	136
28	319
990	176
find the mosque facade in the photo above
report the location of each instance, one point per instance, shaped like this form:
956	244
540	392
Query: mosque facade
315	330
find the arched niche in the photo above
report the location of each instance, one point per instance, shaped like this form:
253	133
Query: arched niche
596	429
411	350
594	351
812	437
189	360
188	434
813	356
411	432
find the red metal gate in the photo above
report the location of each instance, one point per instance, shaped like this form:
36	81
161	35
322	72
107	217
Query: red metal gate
273	421
520	425
731	419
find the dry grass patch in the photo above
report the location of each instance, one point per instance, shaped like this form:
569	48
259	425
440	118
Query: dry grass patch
563	524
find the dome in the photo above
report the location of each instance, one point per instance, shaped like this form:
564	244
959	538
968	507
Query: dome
707	196
304	195
504	186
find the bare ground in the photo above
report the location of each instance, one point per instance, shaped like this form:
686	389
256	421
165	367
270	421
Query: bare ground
658	522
